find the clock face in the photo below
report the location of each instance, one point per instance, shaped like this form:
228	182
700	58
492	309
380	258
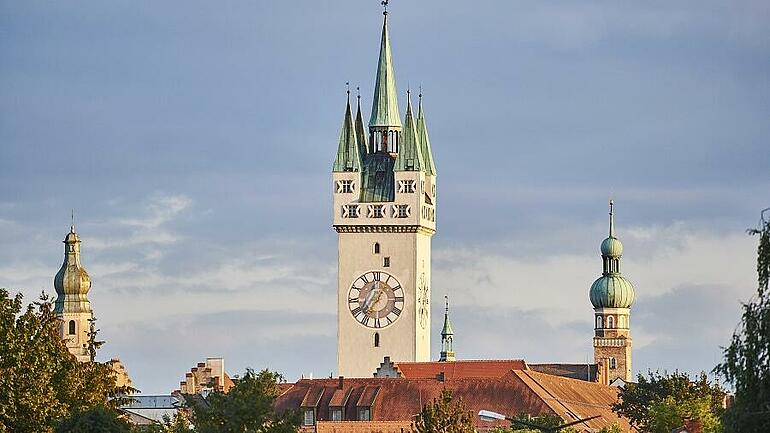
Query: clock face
376	299
423	301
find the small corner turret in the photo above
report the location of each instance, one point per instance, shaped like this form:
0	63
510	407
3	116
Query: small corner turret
447	336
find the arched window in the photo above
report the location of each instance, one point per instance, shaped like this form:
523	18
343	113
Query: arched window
72	327
598	322
376	339
613	363
376	248
610	322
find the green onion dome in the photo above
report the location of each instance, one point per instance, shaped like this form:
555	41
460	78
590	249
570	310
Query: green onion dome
612	247
612	291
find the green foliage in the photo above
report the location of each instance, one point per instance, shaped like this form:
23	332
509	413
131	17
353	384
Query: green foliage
636	399
97	419
746	364
444	415
524	423
41	382
614	428
668	414
248	407
177	424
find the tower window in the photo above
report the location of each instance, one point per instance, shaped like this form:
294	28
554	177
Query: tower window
71	327
406	186
345	186
376	248
376	211
598	322
610	322
376	339
402	211
386	262
613	363
350	211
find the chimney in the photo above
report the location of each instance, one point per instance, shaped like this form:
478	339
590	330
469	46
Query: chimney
340	382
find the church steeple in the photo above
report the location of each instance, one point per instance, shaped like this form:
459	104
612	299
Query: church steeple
72	284
447	335
348	157
385	120
409	155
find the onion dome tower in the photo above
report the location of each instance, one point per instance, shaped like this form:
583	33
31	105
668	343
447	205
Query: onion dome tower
447	336
612	296
72	284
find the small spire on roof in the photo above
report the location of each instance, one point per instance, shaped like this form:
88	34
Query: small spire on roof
612	219
72	216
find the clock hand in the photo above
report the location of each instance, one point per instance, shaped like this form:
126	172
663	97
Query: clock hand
379	295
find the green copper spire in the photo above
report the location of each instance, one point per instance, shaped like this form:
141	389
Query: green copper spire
447	350
409	153
348	157
385	105
612	290
363	145
422	135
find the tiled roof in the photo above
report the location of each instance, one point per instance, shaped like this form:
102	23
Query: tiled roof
459	369
364	427
517	392
587	372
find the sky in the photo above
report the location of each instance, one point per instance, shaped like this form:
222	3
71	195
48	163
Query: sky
195	141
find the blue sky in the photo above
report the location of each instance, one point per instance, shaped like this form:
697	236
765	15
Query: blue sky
195	141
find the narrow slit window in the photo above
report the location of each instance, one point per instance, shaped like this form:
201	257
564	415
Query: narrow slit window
376	339
376	248
386	262
71	327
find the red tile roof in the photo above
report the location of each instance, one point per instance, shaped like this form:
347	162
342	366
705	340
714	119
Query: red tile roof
517	392
459	369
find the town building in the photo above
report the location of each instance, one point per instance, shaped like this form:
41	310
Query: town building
390	404
384	195
206	377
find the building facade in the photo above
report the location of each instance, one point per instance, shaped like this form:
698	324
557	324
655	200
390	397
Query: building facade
612	296
384	206
72	284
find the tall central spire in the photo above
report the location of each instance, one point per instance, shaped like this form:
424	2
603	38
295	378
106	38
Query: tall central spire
385	105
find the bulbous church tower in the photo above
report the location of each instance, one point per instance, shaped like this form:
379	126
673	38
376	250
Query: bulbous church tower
72	284
384	183
612	296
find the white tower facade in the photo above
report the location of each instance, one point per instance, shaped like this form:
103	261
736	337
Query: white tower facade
384	183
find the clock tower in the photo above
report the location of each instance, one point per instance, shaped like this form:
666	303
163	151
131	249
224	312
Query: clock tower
384	187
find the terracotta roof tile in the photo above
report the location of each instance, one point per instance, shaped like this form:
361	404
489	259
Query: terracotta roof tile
517	392
459	369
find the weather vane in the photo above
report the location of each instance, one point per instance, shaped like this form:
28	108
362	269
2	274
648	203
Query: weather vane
385	5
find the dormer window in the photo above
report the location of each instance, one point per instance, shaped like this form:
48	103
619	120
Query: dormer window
335	414
309	417
364	414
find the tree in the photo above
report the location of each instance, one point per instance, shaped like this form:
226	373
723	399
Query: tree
746	364
668	414
41	382
444	415
677	389
248	407
546	421
97	419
